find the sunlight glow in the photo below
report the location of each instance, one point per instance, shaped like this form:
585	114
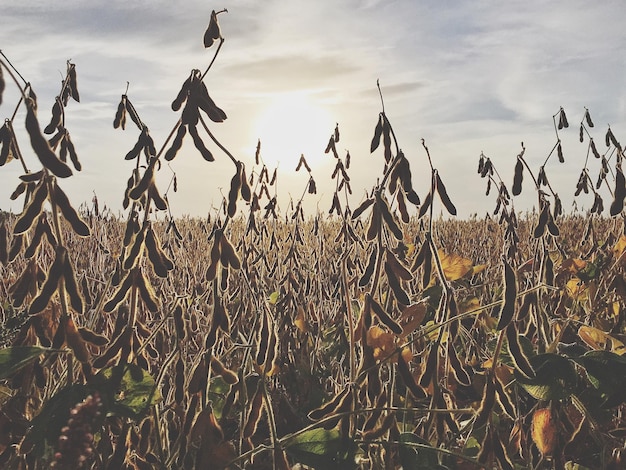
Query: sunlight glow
292	125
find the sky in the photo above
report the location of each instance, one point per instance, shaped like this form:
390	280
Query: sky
467	77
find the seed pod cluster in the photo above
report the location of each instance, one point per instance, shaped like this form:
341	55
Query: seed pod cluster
161	263
33	209
60	270
40	145
145	143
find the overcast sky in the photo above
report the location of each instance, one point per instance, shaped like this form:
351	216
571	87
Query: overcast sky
468	77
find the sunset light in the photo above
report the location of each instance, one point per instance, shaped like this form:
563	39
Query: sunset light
291	125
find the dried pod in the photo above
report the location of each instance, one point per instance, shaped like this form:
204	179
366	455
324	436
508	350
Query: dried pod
254	415
330	406
562	119
408	379
559	152
73	84
92	337
619	194
540	229
521	361
510	293
459	372
395	286
146	291
55	120
120	294
518	177
179	321
592	144
159	201
377	133
120	114
205	102
176	143
388	217
144	183
40	145
199	143
51	283
383	316
369	269
228	255
588	118
443	195
135	250
425	206
213	31
233	194
71	286
179	380
486	403
362	207
246	192
228	375
75	341
69	213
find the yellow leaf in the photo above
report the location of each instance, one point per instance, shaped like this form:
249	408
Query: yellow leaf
434	334
469	304
544	431
620	246
577	290
273	298
478	268
454	266
600	341
300	320
381	341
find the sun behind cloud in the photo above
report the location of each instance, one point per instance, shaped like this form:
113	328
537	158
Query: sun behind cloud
293	124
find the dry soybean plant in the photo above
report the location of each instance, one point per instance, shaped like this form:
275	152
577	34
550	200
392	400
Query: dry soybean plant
374	337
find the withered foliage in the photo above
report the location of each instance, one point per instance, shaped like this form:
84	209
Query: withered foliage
264	337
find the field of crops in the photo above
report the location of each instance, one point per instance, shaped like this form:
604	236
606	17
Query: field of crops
375	336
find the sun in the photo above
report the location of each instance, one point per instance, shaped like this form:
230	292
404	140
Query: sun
293	124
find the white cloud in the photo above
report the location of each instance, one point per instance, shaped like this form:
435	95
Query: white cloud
467	76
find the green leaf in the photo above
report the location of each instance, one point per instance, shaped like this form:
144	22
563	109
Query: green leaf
417	453
323	449
217	394
133	389
273	298
555	379
46	426
607	373
14	358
